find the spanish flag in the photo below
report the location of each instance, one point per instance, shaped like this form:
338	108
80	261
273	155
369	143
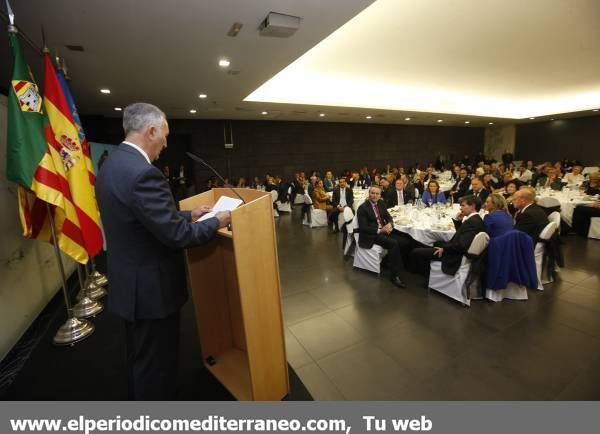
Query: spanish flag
46	159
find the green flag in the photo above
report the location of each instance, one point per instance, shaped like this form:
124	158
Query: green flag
26	143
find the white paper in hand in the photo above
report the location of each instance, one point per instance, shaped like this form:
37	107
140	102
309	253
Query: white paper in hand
224	203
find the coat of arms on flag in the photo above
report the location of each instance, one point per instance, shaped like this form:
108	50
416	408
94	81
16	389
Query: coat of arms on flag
28	95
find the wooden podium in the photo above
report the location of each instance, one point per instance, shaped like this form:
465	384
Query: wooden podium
236	291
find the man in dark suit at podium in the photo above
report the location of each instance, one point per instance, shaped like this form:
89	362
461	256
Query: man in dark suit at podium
145	236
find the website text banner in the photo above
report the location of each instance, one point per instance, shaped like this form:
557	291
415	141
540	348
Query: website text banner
307	417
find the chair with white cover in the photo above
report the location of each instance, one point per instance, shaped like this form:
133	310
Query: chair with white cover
594	231
416	193
274	196
299	199
456	286
350	240
590	169
513	291
543	272
555	217
368	259
317	217
344	219
285	207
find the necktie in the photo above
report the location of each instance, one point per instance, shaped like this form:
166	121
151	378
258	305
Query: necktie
376	209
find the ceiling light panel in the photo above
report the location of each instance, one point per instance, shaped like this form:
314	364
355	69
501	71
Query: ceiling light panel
504	74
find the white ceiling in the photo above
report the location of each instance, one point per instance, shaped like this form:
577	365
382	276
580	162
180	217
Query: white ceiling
166	52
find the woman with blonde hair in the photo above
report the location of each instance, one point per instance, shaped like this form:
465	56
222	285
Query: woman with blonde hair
498	221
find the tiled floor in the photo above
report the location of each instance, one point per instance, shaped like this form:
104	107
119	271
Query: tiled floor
351	335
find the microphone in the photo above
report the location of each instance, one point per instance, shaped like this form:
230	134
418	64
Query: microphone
205	164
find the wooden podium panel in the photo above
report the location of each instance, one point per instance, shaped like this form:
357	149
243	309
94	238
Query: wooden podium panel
237	295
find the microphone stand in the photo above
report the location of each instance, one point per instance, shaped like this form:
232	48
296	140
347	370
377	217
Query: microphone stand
205	164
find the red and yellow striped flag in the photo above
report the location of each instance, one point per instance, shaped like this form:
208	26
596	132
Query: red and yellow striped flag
62	177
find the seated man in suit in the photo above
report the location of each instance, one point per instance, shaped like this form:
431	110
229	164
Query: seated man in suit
478	190
342	198
530	218
399	195
375	226
582	217
460	186
550	179
468	223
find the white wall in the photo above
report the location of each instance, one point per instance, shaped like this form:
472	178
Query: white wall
29	275
498	140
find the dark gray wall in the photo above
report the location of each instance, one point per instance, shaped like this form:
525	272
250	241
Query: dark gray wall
575	139
281	147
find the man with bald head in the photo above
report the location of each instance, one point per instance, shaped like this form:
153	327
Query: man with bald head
530	218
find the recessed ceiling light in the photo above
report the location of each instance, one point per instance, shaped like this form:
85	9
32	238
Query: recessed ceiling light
224	63
490	123
118	109
368	117
322	115
407	119
467	122
105	91
551	119
202	96
595	110
192	111
264	113
531	118
440	120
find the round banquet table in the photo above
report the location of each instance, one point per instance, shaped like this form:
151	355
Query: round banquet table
426	225
568	199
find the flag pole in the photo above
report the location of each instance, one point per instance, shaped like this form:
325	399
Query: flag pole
74	329
87	306
90	288
98	277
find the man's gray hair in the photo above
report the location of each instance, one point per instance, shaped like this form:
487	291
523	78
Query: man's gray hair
140	115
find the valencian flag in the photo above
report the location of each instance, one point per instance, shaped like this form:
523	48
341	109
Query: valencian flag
45	158
85	147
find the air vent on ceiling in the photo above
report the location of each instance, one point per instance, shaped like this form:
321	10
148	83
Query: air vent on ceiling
75	47
233	72
297	112
279	25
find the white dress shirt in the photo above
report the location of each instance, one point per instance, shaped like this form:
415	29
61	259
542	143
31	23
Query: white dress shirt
140	150
343	197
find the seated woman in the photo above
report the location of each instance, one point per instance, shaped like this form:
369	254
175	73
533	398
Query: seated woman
507	194
498	221
433	194
320	198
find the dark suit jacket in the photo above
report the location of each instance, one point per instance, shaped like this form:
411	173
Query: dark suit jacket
483	194
145	236
543	179
460	243
335	199
462	186
367	222
391	197
532	221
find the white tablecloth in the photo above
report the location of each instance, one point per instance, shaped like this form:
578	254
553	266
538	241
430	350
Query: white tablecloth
568	199
426	225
